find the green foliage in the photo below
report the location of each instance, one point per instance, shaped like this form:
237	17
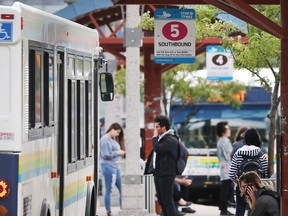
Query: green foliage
180	84
120	83
147	22
207	24
261	51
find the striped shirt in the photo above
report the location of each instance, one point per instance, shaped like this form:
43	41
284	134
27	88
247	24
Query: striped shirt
238	158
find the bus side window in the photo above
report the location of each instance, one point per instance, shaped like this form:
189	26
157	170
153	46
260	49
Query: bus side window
48	89
71	110
31	89
88	118
38	90
35	88
80	108
88	107
72	150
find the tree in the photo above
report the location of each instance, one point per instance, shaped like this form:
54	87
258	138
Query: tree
179	83
120	83
261	51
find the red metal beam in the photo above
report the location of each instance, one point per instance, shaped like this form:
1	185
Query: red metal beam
96	25
244	11
118	28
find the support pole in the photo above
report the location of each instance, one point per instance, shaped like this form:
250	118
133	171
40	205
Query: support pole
132	187
284	109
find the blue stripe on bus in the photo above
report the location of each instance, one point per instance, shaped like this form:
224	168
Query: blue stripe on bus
33	173
72	200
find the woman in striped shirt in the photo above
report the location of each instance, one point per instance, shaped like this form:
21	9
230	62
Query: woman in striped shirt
251	148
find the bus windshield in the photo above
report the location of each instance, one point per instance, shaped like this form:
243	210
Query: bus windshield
196	123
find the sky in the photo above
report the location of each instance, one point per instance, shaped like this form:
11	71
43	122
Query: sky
35	2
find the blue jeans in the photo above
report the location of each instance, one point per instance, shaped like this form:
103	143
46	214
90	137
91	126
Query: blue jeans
112	175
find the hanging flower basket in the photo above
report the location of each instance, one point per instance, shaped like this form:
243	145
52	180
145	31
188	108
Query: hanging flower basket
147	22
148	33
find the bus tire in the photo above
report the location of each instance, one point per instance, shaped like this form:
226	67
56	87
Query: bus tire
45	211
90	201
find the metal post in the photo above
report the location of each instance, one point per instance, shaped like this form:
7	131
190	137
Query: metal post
132	187
284	109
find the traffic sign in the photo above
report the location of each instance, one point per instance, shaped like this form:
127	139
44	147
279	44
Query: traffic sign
6	31
219	63
174	36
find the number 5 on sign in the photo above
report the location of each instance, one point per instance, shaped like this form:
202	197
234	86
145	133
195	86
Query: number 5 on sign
174	31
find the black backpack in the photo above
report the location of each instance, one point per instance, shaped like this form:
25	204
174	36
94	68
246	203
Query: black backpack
251	163
181	158
272	193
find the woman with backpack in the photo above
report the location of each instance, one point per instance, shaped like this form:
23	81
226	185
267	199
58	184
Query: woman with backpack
248	158
239	142
262	201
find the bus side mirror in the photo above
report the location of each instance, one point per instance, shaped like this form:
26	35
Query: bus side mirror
106	86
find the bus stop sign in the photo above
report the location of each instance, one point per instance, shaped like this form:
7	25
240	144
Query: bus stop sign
174	36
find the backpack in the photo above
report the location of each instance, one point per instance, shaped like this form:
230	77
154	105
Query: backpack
182	157
251	163
272	193
149	169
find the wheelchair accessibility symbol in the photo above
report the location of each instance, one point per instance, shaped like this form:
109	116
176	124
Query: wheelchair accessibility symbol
5	31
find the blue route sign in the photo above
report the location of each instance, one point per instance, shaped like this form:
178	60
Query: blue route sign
174	36
6	31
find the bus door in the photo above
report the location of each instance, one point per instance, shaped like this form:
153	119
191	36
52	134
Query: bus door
60	132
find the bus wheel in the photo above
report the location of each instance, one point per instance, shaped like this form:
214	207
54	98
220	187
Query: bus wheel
45	211
90	201
92	206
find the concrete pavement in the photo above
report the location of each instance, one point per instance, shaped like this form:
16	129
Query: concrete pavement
201	210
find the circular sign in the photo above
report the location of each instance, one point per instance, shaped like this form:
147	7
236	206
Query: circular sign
219	59
4	189
174	31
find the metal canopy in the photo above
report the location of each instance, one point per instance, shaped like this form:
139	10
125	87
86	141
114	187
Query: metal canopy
240	9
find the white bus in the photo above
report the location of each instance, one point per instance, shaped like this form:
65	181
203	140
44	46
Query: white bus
49	75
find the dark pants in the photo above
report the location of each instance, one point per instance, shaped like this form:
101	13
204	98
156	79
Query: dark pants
240	203
164	186
225	193
177	193
181	191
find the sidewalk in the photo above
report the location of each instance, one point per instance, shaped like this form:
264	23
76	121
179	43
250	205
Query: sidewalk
201	210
